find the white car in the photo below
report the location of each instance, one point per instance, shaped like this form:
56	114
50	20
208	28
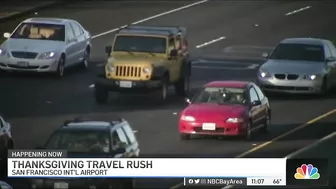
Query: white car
45	45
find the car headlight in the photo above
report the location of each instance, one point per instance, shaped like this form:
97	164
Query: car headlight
264	74
3	52
187	118
109	68
147	70
310	77
47	55
235	120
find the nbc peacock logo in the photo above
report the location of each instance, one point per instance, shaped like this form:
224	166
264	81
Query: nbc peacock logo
307	172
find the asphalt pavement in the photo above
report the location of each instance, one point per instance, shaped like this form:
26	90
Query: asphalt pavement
228	30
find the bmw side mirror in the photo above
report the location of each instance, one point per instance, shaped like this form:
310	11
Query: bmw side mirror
108	50
331	59
256	103
6	35
264	55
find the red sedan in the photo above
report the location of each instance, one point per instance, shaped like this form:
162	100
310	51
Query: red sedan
226	108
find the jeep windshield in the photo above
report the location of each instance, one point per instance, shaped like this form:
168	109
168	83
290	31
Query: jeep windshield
140	44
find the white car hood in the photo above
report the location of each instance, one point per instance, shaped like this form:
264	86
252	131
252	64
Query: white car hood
32	45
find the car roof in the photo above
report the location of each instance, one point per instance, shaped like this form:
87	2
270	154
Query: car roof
307	41
235	84
88	125
45	20
152	30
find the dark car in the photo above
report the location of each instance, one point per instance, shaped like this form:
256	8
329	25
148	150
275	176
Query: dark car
6	142
84	138
4	185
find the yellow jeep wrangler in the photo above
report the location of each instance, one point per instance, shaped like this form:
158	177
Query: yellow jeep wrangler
145	59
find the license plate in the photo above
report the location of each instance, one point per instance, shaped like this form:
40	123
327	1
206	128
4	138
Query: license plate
209	126
23	64
125	84
61	185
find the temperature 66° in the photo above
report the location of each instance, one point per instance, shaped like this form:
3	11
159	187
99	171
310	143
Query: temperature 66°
276	181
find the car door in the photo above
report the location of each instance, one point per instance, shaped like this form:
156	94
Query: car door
180	53
331	66
119	140
80	41
70	49
5	127
254	110
2	137
264	102
172	62
134	145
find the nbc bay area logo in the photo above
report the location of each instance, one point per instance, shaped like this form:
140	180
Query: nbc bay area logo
307	172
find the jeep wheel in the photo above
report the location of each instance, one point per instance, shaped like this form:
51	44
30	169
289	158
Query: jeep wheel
101	95
182	85
162	96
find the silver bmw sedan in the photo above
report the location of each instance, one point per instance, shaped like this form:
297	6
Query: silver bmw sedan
45	45
299	65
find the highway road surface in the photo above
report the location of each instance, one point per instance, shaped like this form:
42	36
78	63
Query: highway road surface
220	34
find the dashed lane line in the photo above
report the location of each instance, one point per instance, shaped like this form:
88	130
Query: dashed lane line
297	10
150	18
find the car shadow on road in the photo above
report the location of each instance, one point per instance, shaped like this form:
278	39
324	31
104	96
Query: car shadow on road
288	132
301	97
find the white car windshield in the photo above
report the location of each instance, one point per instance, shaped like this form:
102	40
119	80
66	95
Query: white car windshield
40	31
221	95
80	141
300	52
140	44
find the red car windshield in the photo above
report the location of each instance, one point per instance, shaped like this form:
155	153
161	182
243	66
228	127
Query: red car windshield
221	95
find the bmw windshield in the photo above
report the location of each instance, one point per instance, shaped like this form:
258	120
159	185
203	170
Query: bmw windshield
140	44
299	52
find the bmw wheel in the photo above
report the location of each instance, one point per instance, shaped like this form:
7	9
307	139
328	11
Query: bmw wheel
326	87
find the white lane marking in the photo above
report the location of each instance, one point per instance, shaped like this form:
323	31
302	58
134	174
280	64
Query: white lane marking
91	86
225	68
210	42
312	145
297	10
253	66
150	18
300	151
243	66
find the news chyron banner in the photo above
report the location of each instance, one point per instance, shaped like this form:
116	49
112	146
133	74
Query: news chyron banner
307	172
193	171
